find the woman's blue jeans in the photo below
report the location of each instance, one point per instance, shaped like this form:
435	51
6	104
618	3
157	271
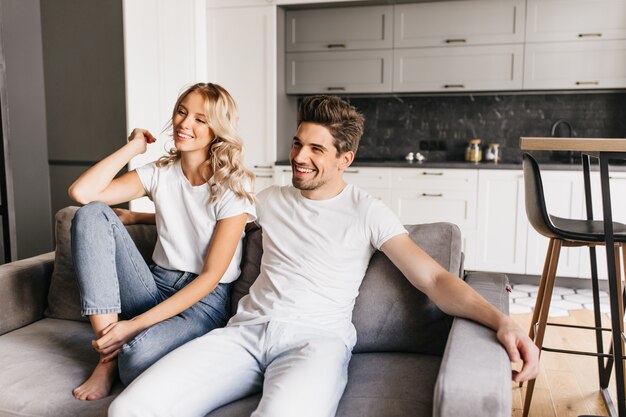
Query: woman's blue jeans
114	278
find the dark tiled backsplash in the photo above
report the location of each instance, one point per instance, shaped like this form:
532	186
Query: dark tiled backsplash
440	126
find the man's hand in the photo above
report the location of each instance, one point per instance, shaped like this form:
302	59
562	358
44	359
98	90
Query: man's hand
126	216
114	336
519	348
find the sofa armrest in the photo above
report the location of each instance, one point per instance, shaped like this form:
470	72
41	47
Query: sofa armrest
24	291
475	374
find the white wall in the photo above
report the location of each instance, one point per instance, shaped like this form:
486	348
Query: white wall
165	43
24	128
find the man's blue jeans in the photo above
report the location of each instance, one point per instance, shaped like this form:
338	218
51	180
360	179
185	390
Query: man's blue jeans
114	278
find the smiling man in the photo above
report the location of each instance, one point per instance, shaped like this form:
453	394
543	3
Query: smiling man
292	335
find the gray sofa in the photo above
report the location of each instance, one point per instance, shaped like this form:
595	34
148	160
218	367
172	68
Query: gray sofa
410	358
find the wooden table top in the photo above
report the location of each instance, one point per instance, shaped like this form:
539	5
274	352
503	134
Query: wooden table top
573	144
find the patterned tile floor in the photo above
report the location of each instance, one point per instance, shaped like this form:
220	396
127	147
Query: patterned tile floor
522	300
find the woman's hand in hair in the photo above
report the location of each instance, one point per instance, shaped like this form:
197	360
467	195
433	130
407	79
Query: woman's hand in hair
141	137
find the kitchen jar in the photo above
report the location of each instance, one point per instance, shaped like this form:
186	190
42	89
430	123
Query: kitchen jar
493	153
473	153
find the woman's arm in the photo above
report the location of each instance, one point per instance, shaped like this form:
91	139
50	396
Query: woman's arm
220	252
98	183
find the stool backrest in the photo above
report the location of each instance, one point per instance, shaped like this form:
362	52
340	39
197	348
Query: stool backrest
535	200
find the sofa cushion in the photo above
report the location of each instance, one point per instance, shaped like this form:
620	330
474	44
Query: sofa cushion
64	297
392	315
41	364
389	385
250	265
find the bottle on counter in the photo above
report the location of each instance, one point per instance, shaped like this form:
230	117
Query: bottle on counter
493	153
473	153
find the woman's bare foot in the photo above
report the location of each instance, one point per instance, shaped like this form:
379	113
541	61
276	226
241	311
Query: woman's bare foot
99	384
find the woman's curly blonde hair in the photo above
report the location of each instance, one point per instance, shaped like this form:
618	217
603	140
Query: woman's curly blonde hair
225	157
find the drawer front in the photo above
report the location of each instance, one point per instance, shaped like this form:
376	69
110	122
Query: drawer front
575	20
339	29
461	180
459	23
467	68
575	65
421	206
368	177
339	72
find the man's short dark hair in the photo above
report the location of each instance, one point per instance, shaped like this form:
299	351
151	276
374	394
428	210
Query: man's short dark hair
343	121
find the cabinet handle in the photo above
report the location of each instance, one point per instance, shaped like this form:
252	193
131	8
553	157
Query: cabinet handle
454	86
336	88
286	170
587	83
590	35
458	40
432	173
352	171
431	195
265	176
336	45
263	166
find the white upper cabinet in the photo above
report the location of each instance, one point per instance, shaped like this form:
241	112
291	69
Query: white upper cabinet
476	22
338	72
463	68
241	51
575	65
339	29
569	20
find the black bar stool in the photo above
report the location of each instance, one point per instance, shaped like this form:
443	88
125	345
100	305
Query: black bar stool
566	232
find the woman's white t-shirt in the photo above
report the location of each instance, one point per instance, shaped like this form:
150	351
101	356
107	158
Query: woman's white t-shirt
185	219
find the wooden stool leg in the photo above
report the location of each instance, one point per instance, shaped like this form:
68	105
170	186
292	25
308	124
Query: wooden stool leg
543	314
540	292
542	288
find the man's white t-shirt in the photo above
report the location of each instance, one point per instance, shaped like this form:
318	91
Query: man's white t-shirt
315	254
185	219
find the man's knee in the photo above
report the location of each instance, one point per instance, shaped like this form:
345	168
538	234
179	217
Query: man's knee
126	406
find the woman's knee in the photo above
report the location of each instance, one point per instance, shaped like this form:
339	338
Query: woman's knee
89	212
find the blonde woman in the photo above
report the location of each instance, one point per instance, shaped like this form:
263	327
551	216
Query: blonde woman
201	191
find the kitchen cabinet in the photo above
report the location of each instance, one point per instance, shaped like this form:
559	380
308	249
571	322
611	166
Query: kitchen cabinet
462	68
502	224
454	23
564	194
339	29
241	56
338	72
438	195
508	243
338	50
575	44
350	50
575	65
575	20
376	181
